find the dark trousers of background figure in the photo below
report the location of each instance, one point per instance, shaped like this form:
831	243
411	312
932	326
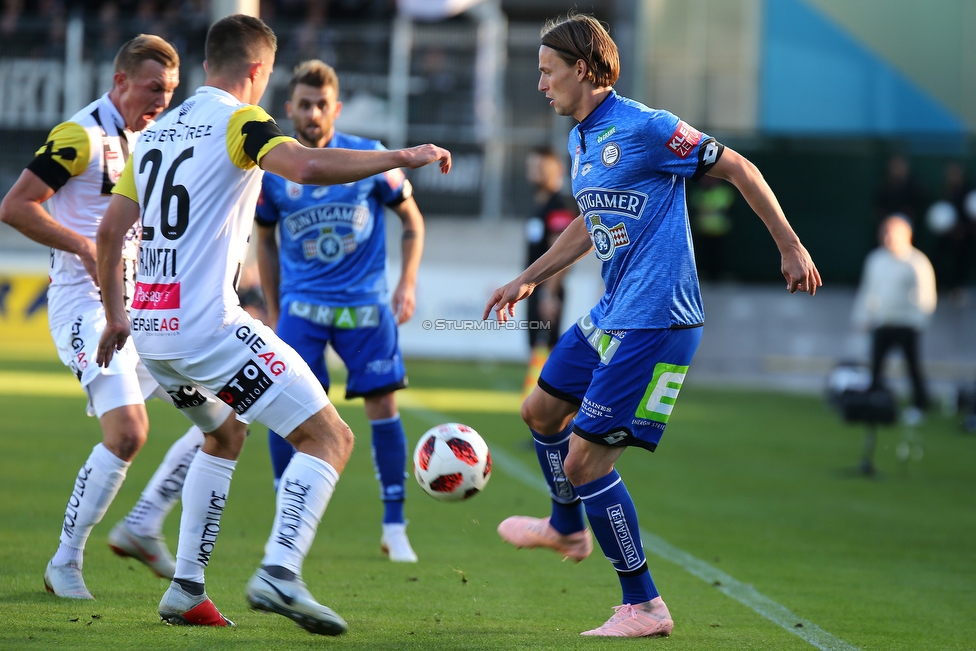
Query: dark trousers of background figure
539	336
884	339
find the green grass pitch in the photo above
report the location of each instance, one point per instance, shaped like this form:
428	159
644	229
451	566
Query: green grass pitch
751	483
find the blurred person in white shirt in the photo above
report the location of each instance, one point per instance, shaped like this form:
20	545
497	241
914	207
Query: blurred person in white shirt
895	301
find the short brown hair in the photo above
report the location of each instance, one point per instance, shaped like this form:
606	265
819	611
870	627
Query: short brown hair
145	47
581	36
238	41
314	73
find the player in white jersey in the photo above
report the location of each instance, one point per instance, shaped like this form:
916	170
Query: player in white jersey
194	178
75	172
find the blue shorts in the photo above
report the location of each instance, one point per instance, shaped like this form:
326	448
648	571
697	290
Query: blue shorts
365	337
624	381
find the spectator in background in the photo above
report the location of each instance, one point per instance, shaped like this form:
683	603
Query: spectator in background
956	244
552	214
895	300
710	201
13	40
900	192
109	33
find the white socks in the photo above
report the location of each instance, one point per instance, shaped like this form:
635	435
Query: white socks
304	491
204	497
165	487
95	487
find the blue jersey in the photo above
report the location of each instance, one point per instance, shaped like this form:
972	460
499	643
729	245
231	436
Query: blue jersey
630	163
332	237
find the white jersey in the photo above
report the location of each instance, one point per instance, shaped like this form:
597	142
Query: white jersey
895	291
81	161
195	177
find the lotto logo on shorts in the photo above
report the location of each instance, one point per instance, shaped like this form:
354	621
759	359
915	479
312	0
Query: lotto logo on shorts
187	397
245	387
684	139
662	392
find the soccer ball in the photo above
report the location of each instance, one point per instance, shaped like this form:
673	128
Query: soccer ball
451	462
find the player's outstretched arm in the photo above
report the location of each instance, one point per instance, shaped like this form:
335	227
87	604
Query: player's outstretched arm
22	209
331	165
797	265
572	245
119	217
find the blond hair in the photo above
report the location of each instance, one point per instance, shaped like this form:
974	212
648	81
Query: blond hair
146	47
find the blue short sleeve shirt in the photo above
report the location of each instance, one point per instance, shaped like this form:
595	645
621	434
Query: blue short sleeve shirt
332	237
629	168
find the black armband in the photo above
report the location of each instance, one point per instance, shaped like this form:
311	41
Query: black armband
49	171
257	135
708	154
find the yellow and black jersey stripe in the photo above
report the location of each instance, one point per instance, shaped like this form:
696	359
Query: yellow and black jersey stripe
66	153
252	133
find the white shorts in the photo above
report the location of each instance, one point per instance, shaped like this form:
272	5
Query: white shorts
124	382
251	372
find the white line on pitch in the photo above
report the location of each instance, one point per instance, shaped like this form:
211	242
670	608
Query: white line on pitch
741	592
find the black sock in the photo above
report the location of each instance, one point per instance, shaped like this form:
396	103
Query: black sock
279	572
190	587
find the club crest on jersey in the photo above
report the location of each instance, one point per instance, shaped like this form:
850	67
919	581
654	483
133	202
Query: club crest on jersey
610	154
576	161
293	190
329	246
606	240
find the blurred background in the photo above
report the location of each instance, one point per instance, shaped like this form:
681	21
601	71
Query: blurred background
851	108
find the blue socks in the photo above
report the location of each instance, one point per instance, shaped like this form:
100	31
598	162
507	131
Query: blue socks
613	518
390	461
281	454
567	512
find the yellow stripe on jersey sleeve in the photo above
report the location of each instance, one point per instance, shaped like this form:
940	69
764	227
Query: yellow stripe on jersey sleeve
252	133
66	154
126	185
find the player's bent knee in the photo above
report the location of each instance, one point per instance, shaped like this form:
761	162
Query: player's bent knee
326	436
580	472
227	440
125	430
381	407
577	472
546	414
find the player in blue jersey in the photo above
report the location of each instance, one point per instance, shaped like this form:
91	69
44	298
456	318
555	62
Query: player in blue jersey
325	281
612	380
